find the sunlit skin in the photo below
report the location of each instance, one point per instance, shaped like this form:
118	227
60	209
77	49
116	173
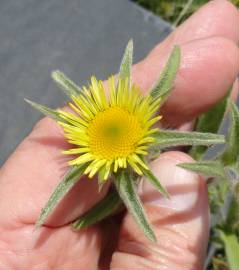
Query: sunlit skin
209	66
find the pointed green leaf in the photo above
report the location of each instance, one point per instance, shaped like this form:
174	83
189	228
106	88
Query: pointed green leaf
155	182
68	86
45	110
231	153
210	121
208	168
166	138
108	206
69	180
125	186
165	83
232	249
126	63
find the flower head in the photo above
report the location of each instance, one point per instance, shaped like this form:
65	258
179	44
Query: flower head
110	132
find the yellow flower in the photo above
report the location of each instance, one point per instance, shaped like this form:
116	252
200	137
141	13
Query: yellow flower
110	132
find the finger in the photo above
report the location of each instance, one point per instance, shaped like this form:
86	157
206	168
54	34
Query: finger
180	224
49	248
216	18
188	126
208	68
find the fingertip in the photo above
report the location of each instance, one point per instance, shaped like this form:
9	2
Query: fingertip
216	18
208	68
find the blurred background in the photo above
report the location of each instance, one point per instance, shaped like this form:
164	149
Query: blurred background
80	38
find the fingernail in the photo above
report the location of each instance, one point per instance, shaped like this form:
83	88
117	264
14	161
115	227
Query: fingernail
182	185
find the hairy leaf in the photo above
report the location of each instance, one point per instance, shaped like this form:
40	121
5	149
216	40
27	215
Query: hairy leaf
125	186
165	83
69	180
208	168
54	114
68	86
231	152
155	182
126	63
108	206
175	138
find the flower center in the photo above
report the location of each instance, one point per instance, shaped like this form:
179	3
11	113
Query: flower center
114	133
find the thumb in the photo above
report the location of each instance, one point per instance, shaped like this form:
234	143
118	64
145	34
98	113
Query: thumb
180	224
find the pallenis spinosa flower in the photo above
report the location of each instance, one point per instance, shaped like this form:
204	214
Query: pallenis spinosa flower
113	131
110	134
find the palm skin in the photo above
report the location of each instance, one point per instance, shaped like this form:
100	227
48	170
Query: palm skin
37	165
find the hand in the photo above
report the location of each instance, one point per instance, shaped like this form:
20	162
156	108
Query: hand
209	66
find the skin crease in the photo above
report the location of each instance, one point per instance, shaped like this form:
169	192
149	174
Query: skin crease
209	65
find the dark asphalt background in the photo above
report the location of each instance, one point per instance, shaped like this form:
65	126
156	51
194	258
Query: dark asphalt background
79	37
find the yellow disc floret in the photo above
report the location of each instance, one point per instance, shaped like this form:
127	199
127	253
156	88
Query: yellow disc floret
110	132
114	133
